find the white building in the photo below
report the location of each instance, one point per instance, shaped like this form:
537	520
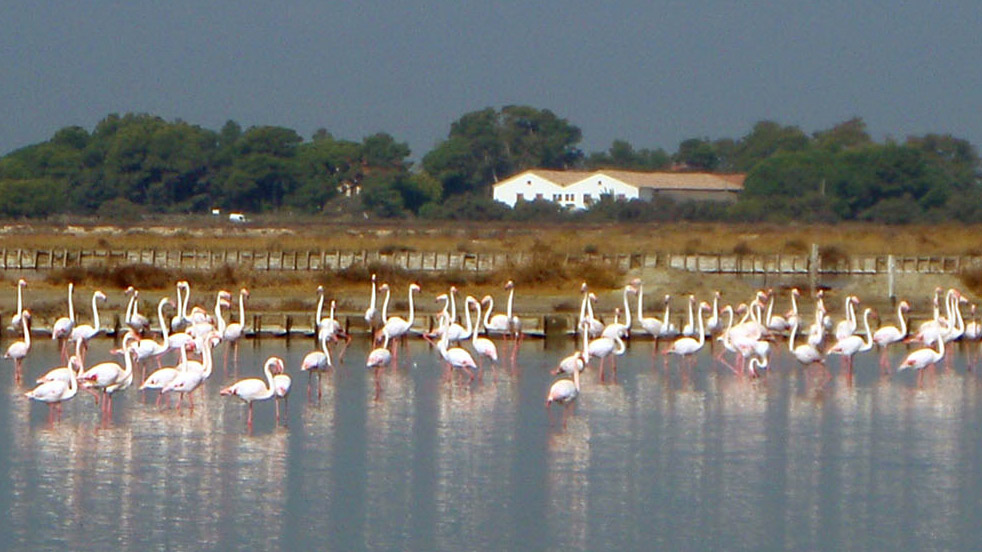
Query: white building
579	189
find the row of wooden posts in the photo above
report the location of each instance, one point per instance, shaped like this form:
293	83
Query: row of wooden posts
311	260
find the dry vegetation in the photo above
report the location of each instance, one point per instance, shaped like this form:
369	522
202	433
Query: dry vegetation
545	282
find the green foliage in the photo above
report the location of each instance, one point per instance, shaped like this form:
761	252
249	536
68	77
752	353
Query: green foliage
622	155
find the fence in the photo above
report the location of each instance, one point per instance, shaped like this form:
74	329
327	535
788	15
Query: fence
310	260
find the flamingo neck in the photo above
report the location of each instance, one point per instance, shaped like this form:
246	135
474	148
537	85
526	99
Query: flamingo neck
218	314
903	321
269	380
129	310
487	315
640	300
320	307
95	311
794	332
71	303
27	331
453	307
627	309
160	317
412	310
385	304
511	299
372	304
242	308
477	316
869	335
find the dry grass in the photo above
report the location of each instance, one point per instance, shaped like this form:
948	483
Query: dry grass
200	233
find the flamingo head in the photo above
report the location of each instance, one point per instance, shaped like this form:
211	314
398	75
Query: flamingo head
320	290
384	287
593	297
373	278
129	290
668	298
471	300
414	287
583	287
705	307
486	299
100	295
795	292
453	290
509	284
22	282
441	297
636	282
244	292
224	294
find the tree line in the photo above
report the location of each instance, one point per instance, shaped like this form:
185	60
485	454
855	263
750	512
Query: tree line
135	164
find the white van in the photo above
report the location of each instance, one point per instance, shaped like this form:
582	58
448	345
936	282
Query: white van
236	217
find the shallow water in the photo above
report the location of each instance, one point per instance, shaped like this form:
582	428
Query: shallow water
694	459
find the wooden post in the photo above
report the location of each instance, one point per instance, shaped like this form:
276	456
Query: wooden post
813	262
891	276
257	324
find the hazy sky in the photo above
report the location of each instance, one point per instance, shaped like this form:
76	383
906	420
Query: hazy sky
653	73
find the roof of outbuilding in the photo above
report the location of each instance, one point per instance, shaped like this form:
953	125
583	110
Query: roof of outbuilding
655	180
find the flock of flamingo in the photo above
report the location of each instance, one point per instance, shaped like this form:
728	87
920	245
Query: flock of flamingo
750	331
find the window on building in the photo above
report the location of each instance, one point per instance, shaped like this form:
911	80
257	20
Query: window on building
569	197
519	197
587	200
538	196
621	196
557	197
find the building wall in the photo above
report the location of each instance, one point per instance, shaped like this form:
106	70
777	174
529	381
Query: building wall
526	186
726	196
589	190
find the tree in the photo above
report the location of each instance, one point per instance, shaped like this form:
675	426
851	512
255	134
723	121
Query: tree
846	135
764	140
697	153
622	155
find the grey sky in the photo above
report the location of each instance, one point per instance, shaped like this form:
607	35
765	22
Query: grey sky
653	73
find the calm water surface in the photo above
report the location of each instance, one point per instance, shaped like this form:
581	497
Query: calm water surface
696	459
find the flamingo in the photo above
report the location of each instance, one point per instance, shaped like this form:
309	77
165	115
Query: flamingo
379	358
806	353
757	366
689	329
63	326
193	374
775	323
852	344
334	331
595	327
455	332
180	320
64	373
564	391
371	312
602	347
715	322
255	389
319	362
456	357
136	321
650	324
888	335
281	390
929	331
148	348
847	327
623	330
18	350
234	331
105	375
160	377
483	346
396	327
85	332
973	330
576	361
922	358
15	320
54	393
688	346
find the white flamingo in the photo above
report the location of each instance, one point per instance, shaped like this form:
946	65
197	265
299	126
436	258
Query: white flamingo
922	358
595	327
397	327
15	320
234	331
54	393
317	362
378	359
456	357
159	378
255	389
371	313
847	327
63	326
686	347
105	375
806	353
193	375
888	335
18	350
621	329
133	319
484	347
565	391
85	332
852	344
281	390
576	361
603	347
